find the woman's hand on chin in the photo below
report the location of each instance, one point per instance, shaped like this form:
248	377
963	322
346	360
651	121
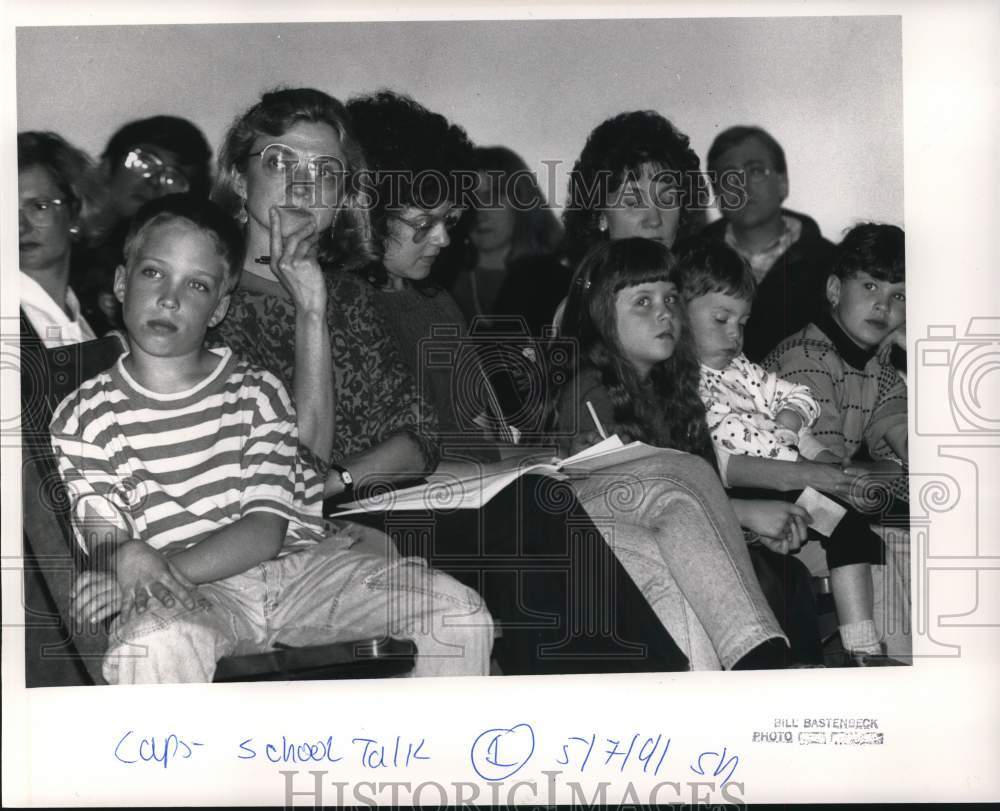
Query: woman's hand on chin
295	262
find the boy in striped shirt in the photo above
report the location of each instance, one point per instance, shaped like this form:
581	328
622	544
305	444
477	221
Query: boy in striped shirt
200	508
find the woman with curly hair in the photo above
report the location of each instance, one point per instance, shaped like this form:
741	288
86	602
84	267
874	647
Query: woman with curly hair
510	265
638	378
414	185
53	185
636	177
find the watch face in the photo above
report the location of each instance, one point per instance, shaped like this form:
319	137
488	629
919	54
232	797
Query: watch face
346	477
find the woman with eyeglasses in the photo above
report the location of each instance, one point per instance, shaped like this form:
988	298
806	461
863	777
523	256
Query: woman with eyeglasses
301	312
52	184
152	157
416	190
290	170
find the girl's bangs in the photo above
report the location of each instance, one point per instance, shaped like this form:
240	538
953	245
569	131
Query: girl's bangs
631	277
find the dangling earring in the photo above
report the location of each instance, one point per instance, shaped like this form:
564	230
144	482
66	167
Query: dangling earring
74	230
242	216
602	224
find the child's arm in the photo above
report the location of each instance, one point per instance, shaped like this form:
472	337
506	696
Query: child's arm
776	474
101	505
808	370
734	431
239	546
785	399
888	420
897	439
576	429
125	571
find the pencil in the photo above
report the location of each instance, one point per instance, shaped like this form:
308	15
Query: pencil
597	422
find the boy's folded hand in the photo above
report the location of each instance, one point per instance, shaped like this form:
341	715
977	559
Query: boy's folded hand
143	572
96	596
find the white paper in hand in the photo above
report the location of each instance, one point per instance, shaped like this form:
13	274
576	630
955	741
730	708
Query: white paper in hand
826	513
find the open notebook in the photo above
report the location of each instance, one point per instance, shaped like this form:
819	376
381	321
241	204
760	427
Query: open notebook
463	486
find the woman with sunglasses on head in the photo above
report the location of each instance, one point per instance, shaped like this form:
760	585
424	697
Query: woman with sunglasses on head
52	181
143	160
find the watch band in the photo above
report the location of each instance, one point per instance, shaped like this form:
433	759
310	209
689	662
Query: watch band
345	476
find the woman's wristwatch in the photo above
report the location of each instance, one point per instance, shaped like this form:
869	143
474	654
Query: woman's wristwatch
345	477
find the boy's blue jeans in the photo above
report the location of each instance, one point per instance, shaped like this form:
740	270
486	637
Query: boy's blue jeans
672	527
328	593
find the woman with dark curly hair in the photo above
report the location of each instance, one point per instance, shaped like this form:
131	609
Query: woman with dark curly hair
52	185
636	177
414	183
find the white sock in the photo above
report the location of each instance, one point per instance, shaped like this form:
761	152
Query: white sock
860	637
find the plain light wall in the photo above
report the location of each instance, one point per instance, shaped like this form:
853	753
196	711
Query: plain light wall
829	89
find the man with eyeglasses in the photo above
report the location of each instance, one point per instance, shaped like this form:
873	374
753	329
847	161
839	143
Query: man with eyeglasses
786	252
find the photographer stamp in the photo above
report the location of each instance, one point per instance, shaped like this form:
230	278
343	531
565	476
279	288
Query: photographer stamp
822	730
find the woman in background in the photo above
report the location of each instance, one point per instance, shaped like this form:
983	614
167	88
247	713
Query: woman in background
52	181
143	160
512	266
637	176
